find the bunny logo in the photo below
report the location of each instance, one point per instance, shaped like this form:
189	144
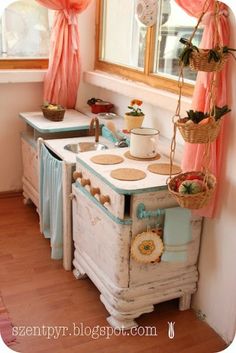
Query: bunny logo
4	348
171	331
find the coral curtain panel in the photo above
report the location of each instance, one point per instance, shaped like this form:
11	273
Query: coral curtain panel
62	78
193	153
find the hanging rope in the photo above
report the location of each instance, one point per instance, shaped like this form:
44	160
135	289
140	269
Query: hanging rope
211	98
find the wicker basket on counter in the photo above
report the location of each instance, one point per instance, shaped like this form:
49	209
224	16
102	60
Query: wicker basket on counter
193	201
53	115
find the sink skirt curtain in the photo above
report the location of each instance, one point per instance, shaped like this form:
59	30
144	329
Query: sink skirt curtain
51	216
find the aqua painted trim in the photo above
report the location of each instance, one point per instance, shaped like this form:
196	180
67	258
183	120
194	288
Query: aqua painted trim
103	208
58	129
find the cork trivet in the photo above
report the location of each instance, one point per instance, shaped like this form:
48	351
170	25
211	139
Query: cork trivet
107	159
128	174
129	156
163	168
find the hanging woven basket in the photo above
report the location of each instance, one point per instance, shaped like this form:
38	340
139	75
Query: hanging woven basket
193	201
199	60
197	133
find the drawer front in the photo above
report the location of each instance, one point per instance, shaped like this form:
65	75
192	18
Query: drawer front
30	163
114	202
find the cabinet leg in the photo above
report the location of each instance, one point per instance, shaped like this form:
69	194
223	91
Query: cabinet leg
121	324
184	302
78	274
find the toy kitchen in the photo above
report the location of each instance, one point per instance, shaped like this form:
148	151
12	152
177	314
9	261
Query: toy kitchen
129	235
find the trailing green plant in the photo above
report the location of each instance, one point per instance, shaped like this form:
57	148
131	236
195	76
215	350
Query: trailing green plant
185	54
218	112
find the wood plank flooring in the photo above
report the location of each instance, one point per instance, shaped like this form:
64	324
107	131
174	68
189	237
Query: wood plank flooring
41	298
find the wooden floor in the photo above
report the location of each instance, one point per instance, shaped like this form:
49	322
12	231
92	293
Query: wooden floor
41	297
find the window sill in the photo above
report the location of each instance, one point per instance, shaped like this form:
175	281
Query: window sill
156	97
21	76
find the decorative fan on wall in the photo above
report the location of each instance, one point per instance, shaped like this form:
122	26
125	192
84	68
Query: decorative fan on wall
146	12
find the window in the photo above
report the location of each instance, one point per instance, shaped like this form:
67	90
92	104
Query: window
24	34
149	54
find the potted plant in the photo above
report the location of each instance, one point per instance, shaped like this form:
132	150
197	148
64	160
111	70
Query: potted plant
134	118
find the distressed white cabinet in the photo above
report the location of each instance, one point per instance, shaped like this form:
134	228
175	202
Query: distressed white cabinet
104	233
30	170
74	124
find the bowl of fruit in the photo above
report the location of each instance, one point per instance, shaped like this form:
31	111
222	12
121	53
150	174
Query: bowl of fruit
193	189
53	112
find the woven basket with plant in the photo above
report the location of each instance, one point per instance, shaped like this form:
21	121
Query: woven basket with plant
199	127
208	60
53	112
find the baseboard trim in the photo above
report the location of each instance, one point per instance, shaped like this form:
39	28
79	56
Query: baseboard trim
9	194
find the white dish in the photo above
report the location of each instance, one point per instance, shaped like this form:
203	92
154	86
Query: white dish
107	115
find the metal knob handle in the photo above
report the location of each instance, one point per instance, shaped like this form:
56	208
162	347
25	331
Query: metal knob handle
77	175
85	182
95	191
104	199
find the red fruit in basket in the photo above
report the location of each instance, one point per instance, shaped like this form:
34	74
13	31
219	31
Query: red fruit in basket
194	177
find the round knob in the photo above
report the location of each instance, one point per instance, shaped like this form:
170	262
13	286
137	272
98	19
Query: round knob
95	191
77	175
104	199
85	182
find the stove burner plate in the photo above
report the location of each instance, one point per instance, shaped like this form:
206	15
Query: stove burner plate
128	174
107	159
163	168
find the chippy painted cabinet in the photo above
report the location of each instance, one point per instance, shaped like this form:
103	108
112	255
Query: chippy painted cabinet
109	216
74	124
30	170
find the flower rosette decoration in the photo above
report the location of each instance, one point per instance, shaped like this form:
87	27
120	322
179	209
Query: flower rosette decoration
147	247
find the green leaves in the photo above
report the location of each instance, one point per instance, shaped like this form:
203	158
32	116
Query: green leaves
214	54
185	55
218	112
196	116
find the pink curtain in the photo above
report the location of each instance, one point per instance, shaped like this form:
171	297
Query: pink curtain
193	153
62	78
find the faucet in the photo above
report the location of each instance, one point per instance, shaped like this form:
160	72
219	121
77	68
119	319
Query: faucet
96	130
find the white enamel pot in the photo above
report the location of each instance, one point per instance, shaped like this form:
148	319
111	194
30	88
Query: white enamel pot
144	142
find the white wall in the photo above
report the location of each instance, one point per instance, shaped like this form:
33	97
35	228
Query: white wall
87	45
14	98
216	295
